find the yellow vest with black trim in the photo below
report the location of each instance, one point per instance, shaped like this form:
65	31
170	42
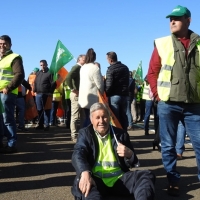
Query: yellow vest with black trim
6	72
145	94
106	166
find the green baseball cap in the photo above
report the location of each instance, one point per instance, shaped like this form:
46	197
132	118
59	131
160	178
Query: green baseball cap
179	11
36	69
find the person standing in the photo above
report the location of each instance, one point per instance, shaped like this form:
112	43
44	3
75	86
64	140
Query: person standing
43	86
116	88
91	82
57	98
150	106
11	76
73	81
31	81
20	105
174	80
131	96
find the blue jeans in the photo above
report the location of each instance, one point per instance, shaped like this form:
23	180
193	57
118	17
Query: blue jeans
170	113
118	105
87	117
20	104
149	105
180	140
53	112
9	125
129	114
44	115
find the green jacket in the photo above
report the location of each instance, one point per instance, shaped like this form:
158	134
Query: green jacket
73	77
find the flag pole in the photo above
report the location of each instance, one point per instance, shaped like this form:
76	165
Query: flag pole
114	134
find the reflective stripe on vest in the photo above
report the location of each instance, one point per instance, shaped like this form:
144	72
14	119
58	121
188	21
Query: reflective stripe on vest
6	73
166	52
6	78
145	94
106	166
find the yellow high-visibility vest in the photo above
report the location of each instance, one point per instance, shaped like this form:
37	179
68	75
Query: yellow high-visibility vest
56	95
145	94
166	52
106	166
6	72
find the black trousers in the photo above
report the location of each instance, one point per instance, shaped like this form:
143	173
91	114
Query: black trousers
139	184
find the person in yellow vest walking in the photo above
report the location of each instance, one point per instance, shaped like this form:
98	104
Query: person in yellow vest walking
102	157
174	80
11	76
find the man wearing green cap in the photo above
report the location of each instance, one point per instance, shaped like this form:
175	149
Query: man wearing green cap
174	77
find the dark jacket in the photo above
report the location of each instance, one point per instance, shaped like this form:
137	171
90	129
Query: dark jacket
73	77
117	80
86	151
44	82
131	89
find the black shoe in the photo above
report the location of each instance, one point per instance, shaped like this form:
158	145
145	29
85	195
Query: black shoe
8	150
146	133
156	144
39	127
21	129
1	146
173	190
46	128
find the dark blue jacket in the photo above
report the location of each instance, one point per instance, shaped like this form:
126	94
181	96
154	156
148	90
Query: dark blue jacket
86	151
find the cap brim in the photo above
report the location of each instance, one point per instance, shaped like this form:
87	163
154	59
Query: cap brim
174	15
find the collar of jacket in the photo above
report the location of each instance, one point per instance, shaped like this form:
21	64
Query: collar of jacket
193	38
113	141
116	63
7	53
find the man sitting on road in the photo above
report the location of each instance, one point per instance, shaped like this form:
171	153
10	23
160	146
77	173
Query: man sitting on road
102	157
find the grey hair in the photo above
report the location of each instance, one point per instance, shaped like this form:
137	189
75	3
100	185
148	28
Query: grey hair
80	56
99	106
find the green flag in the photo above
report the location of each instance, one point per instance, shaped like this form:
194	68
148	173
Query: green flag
60	58
1	107
139	73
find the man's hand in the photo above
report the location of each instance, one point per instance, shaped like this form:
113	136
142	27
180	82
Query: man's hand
5	91
124	151
85	183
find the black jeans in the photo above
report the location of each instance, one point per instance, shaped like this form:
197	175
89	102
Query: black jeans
139	184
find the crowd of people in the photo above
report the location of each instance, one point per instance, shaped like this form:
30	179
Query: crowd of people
170	91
